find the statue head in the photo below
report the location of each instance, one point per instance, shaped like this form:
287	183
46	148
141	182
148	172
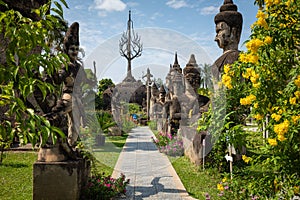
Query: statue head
162	94
192	73
228	26
71	41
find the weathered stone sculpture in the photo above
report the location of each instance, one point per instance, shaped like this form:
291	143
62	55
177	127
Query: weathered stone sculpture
159	109
193	78
153	100
175	107
69	106
228	28
60	171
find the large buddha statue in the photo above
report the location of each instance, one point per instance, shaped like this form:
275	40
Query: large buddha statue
228	28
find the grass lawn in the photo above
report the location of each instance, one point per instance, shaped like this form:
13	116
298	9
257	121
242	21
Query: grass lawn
16	175
196	181
16	169
108	154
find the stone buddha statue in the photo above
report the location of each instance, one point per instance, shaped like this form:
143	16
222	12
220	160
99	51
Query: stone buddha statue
192	79
153	100
228	28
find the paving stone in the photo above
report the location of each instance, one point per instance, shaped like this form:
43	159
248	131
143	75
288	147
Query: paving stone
152	176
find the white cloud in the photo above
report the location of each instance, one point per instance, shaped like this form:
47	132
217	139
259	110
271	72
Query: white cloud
210	10
109	5
176	4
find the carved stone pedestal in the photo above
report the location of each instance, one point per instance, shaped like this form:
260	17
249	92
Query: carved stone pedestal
59	180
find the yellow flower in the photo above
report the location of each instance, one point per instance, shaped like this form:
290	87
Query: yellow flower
226	80
258	117
255	105
254	44
281	137
268	40
220	187
297	94
224	179
276	117
297	81
275	108
253	58
249	72
247	100
272	142
281	128
256	85
260	14
293	100
254	77
246	159
262	22
243	57
295	119
226	68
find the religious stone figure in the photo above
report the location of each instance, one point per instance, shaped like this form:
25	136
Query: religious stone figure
153	100
174	105
159	108
72	76
193	78
228	28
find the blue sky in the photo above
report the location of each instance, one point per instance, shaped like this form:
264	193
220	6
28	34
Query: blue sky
165	27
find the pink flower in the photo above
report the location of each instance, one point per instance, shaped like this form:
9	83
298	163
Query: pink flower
107	185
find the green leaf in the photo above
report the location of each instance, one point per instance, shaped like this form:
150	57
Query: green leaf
58	131
57	11
64	2
20	104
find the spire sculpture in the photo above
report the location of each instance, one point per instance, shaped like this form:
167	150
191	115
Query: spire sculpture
130	47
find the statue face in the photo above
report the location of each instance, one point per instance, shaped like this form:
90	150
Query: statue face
73	52
162	97
223	34
193	80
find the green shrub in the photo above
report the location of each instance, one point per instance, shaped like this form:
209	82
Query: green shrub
100	187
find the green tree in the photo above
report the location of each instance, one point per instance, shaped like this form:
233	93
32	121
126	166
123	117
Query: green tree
27	54
266	79
102	86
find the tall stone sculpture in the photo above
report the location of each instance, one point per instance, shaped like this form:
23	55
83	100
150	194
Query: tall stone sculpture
228	28
130	47
153	99
61	171
70	104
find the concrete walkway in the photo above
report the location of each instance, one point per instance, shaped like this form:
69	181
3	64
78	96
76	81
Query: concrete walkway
151	174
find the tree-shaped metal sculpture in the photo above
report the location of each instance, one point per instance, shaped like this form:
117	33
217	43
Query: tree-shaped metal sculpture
130	47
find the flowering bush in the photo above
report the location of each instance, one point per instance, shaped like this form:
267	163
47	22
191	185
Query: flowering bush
174	148
265	81
161	139
168	144
100	187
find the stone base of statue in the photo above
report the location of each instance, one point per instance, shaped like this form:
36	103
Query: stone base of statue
59	179
192	142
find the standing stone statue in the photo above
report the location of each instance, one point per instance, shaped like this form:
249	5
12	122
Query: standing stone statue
228	28
153	100
72	76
